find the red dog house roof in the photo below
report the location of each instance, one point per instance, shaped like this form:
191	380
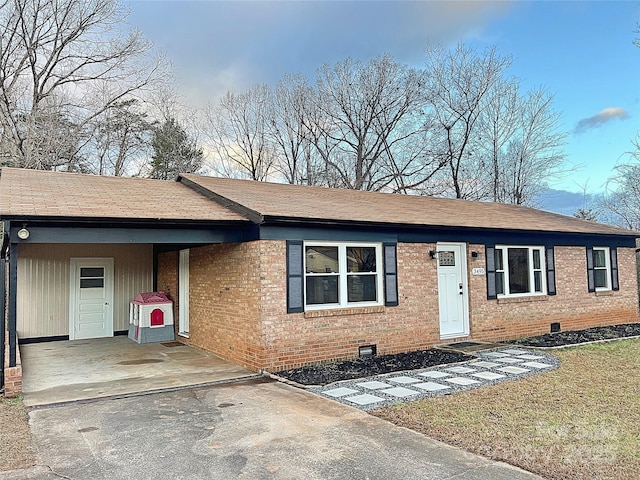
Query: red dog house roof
147	298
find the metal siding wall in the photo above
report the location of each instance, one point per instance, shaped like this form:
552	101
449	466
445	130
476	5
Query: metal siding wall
43	284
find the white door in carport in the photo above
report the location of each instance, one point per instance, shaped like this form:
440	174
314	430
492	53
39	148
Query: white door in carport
183	294
91	298
453	297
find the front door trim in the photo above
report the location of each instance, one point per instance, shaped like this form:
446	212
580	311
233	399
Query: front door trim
460	294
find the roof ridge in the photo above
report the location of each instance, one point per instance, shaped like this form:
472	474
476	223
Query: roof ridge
235	207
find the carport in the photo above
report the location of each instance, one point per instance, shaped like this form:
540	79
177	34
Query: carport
55	226
74	370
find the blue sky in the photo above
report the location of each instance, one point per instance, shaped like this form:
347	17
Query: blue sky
581	51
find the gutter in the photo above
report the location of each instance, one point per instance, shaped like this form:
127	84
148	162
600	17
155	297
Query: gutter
127	222
305	222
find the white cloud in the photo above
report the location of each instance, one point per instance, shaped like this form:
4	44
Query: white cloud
600	118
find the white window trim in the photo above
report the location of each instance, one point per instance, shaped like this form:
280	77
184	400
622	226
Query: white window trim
543	271
607	267
343	274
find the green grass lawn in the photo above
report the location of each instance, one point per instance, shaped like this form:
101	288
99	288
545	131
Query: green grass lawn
15	439
580	421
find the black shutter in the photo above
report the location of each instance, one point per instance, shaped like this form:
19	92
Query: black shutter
295	277
591	281
390	275
614	269
490	255
551	272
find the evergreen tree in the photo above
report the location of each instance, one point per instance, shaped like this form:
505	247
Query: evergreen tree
174	151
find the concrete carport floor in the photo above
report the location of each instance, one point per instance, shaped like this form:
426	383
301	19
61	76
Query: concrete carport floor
64	371
254	429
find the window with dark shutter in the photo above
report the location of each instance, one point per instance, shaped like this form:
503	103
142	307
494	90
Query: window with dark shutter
295	277
602	269
390	275
519	270
591	282
490	255
614	269
551	272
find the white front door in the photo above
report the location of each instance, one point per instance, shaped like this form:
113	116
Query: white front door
453	297
91	298
183	294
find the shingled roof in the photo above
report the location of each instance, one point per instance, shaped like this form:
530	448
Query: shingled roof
272	202
44	194
50	195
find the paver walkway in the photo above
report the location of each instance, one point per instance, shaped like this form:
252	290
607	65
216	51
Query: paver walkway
491	367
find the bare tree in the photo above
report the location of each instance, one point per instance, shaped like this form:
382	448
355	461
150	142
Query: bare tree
534	153
457	128
58	143
297	160
590	210
64	52
364	127
460	82
122	135
622	199
238	127
497	126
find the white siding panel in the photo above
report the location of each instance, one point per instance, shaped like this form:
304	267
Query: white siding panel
43	284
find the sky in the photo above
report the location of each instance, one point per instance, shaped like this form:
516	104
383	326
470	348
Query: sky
581	51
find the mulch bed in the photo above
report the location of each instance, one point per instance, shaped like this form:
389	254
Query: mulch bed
325	373
330	372
562	339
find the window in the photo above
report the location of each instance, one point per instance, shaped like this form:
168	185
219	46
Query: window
601	268
342	274
91	277
520	271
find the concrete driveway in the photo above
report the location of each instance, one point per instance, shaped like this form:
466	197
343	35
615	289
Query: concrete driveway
254	429
68	371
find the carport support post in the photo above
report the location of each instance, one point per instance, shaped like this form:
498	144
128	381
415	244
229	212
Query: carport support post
3	325
13	284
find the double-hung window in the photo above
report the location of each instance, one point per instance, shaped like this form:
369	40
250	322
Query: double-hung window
520	270
601	268
342	274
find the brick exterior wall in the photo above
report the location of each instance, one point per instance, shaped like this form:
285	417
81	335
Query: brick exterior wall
224	300
238	306
12	375
294	340
573	306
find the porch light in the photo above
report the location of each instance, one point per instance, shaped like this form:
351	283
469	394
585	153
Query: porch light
433	253
23	233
